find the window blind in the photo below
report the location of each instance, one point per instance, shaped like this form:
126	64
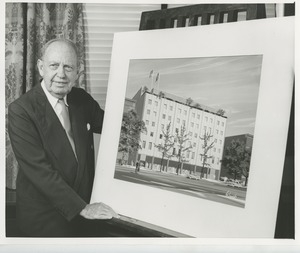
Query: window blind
101	21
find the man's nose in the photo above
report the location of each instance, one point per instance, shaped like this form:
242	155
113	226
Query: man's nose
61	71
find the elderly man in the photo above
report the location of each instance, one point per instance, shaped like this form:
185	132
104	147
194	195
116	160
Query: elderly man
51	130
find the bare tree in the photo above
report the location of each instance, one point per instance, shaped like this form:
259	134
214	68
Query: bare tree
166	146
207	145
181	140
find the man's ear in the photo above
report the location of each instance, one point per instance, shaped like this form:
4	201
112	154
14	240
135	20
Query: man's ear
40	66
77	73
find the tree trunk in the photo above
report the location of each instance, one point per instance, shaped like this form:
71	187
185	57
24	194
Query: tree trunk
181	166
152	162
246	181
207	172
177	169
167	164
123	158
161	163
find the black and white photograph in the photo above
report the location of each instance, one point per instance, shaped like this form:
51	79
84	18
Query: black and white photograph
188	125
147	120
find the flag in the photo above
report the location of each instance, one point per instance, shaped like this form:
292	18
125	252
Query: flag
157	77
151	73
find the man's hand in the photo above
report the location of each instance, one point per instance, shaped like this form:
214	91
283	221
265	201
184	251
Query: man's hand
98	211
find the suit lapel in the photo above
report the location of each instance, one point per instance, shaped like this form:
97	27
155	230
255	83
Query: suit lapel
80	134
54	133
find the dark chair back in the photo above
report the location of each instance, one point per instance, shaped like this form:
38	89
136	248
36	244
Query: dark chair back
200	14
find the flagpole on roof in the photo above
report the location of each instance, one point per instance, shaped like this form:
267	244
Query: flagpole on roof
151	76
157	79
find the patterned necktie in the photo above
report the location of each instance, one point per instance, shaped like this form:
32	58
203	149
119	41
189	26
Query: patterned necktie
64	118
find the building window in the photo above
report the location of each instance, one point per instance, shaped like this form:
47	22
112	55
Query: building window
151	134
220	141
160	136
148	112
206	119
174	151
222	123
185	112
218	161
144	144
211	120
193	115
162	126
165	106
217	131
154	113
215	140
213	159
218	122
194	144
153	123
149	101
164	116
179	110
193	155
171	107
183	122
196	135
150	146
188	154
169	118
198	116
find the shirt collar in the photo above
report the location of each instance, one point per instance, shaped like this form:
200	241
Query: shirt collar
52	100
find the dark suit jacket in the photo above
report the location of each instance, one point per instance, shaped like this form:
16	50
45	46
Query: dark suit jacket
52	187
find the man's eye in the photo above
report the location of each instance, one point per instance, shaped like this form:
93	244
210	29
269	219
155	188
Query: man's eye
68	68
54	66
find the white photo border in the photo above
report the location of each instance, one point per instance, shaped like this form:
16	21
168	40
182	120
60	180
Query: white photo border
272	38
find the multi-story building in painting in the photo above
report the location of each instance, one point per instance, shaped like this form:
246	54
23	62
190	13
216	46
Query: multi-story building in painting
158	109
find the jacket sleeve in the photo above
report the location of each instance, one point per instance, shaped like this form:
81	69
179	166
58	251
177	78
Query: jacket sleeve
35	165
96	115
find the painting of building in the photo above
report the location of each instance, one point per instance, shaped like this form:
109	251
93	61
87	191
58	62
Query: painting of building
159	109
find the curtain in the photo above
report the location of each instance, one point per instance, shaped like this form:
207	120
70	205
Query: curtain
28	26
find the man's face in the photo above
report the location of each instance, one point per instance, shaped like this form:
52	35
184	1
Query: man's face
59	68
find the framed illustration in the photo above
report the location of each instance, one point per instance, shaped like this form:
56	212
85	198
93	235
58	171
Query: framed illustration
195	127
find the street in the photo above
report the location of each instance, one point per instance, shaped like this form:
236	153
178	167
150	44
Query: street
205	189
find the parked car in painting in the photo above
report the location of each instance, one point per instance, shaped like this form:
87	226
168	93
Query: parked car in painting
190	176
